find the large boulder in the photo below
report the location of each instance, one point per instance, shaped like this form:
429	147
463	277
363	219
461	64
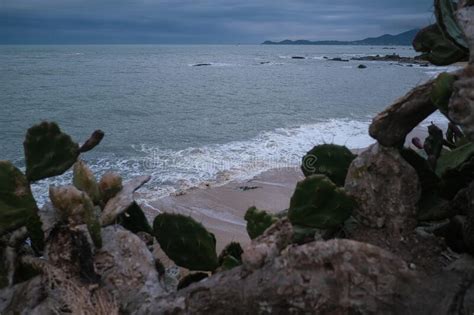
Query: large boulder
127	270
333	277
386	188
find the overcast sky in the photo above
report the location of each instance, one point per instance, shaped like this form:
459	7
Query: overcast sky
205	21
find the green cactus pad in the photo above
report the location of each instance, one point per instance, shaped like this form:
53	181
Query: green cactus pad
190	279
48	151
230	262
455	159
186	241
231	256
442	90
456	169
17	206
318	203
134	220
84	180
328	159
232	249
258	221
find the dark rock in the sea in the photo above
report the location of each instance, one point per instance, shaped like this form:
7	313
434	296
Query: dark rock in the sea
386	188
391	58
298	57
202	64
338	59
362	66
264	62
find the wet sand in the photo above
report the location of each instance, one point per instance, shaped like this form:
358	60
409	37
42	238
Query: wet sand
221	209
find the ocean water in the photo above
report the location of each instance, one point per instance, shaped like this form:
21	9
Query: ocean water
254	108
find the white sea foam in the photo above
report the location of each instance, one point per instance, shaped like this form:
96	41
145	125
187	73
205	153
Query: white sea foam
175	170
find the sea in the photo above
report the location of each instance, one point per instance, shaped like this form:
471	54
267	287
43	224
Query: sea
251	108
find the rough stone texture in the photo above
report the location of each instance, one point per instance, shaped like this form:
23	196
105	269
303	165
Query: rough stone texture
127	270
386	189
391	126
25	298
333	277
461	104
122	201
269	245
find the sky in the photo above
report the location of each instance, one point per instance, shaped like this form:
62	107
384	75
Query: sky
205	21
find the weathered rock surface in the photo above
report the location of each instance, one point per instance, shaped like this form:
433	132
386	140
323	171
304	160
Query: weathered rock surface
386	189
461	104
122	201
333	277
391	126
127	270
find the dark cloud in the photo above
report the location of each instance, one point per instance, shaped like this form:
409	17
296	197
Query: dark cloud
205	21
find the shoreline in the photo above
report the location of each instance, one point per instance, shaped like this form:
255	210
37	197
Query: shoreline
221	208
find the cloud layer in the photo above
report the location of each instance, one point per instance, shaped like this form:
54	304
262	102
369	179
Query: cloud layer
205	21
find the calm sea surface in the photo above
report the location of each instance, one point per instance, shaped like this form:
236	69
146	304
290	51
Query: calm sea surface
252	109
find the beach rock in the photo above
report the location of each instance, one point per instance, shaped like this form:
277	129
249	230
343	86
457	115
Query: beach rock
391	126
122	201
298	57
361	66
333	277
127	270
386	188
338	59
202	64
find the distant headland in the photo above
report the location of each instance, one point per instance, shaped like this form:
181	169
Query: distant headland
402	39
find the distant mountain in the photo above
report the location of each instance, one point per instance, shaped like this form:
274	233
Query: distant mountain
402	39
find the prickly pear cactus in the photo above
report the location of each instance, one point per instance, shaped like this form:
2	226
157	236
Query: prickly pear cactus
48	151
186	241
456	159
231	256
258	221
17	206
84	180
75	208
134	220
433	144
456	169
110	184
442	91
328	159
318	203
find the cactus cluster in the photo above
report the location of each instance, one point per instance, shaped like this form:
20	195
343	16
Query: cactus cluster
258	221
231	256
328	159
